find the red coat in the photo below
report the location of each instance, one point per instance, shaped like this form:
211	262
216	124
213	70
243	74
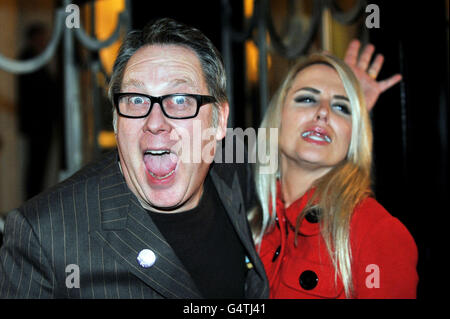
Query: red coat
384	256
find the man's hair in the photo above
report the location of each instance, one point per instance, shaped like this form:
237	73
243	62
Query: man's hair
167	31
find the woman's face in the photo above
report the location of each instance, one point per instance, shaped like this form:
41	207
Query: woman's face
316	124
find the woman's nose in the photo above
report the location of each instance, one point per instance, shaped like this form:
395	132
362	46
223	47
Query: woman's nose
323	111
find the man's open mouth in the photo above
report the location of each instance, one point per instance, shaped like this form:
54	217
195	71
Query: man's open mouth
160	163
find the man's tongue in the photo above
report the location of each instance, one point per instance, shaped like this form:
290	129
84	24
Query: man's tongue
160	165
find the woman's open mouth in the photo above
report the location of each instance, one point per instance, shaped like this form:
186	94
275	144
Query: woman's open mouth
316	136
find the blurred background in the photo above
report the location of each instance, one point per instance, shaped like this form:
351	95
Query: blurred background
55	116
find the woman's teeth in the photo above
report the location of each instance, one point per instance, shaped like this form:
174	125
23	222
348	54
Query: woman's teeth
317	136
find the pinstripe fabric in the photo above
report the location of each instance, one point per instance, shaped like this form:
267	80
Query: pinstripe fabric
93	221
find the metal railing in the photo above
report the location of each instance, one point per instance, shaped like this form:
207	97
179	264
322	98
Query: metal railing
72	111
261	21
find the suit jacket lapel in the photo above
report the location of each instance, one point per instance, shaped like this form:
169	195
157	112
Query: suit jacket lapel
126	229
233	202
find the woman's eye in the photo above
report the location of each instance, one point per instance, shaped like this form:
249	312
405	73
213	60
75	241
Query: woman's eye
342	108
304	99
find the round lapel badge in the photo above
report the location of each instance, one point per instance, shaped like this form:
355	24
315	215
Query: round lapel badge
146	258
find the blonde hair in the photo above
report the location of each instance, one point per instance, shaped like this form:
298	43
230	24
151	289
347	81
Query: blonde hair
340	190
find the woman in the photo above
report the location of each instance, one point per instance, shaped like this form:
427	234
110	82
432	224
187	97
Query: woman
327	237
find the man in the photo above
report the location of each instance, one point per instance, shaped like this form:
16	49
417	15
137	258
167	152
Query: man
146	221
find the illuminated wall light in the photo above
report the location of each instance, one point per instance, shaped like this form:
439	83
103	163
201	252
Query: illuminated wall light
251	50
106	19
248	8
106	139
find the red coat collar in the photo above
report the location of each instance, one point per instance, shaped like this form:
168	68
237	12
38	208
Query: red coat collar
291	213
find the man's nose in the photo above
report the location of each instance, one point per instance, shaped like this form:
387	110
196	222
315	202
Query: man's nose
156	121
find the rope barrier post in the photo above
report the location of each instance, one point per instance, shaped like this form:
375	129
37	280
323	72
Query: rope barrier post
72	112
228	57
262	60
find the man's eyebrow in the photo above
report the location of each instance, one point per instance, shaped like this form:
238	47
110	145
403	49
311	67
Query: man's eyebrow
139	84
133	83
180	81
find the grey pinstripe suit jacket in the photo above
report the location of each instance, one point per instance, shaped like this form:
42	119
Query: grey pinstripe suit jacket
92	220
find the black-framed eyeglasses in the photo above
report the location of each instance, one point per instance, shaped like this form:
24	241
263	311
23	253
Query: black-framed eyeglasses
173	106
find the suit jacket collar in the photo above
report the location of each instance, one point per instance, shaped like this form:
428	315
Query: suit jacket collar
125	229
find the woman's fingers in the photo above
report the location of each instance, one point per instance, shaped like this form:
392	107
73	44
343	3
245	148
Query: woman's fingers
389	82
351	55
366	56
375	68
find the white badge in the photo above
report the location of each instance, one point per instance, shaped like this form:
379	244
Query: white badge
146	258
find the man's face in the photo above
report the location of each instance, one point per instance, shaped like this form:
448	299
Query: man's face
151	165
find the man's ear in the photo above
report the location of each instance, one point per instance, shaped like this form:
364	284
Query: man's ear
224	111
115	121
